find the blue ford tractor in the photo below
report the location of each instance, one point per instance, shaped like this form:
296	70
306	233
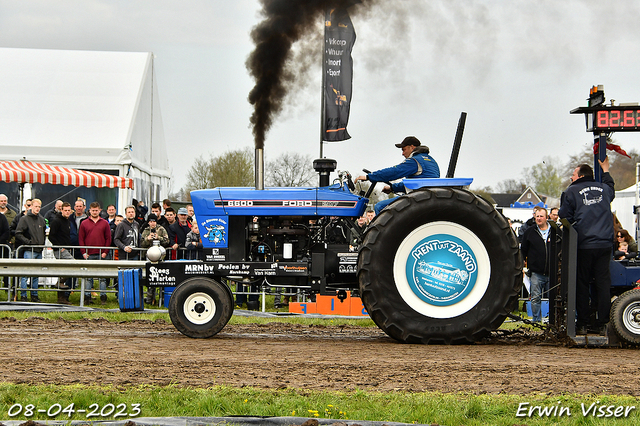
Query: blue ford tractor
438	265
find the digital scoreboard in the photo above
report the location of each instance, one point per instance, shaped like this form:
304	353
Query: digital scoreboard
611	118
602	118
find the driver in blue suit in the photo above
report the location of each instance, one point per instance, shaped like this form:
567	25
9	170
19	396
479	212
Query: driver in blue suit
418	164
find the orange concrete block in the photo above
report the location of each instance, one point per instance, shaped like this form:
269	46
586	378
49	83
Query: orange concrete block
303	308
356	307
331	305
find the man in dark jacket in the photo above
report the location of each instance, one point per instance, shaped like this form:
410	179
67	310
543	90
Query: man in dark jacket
9	216
5	241
111	218
179	230
418	164
60	230
57	208
170	216
528	224
76	218
156	209
5	233
141	211
16	220
127	236
536	251
30	231
60	238
586	204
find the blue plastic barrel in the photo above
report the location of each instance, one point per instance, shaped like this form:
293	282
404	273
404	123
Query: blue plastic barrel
167	296
544	307
130	290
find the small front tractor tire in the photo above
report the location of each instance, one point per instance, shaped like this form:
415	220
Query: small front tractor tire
625	316
200	307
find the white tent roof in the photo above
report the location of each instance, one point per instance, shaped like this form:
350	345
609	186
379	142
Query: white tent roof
81	109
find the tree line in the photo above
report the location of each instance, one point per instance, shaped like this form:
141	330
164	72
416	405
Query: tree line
550	177
237	168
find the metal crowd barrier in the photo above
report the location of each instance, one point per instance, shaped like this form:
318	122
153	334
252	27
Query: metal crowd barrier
13	266
6	252
16	266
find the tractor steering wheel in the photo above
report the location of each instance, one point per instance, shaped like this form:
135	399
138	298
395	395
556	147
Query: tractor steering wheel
350	183
371	187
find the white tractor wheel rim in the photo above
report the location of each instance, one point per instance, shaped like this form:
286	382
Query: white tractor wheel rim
470	298
629	317
199	308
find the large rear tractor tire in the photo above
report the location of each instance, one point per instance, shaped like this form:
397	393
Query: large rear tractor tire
625	316
440	265
200	307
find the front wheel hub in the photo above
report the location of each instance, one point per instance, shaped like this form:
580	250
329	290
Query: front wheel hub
199	308
631	317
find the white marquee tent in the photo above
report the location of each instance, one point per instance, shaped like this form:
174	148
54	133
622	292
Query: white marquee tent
85	110
622	206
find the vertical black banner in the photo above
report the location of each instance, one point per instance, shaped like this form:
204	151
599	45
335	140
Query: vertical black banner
339	37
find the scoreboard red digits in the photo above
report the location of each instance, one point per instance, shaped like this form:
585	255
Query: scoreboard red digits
602	119
617	119
629	119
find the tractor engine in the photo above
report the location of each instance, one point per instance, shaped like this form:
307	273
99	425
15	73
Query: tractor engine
299	239
276	239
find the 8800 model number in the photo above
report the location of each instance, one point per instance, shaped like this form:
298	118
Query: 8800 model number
94	410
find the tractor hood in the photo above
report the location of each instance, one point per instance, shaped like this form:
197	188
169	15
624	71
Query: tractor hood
334	200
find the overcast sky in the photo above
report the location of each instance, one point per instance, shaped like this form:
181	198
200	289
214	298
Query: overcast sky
516	67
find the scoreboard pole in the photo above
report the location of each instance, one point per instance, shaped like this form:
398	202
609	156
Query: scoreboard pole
601	138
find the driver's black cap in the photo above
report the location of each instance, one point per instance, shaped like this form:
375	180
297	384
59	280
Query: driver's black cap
409	140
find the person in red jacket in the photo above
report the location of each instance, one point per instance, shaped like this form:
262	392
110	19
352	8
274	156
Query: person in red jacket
95	232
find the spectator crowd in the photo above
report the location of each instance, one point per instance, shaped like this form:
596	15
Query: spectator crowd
93	233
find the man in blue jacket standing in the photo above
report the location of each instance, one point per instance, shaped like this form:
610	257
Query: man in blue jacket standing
586	204
418	164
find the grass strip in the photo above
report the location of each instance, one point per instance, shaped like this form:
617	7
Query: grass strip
20	401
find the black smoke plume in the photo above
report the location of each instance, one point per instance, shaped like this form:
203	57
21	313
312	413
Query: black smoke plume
285	22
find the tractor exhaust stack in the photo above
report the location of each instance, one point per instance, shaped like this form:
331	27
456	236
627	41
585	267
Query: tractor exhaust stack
259	168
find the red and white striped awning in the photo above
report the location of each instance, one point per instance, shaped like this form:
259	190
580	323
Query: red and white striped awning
28	172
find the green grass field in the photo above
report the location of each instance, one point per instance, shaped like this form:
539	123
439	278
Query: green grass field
64	402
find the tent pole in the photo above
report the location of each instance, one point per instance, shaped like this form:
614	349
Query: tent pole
21	197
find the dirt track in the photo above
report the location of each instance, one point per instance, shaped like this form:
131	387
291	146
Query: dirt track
283	355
